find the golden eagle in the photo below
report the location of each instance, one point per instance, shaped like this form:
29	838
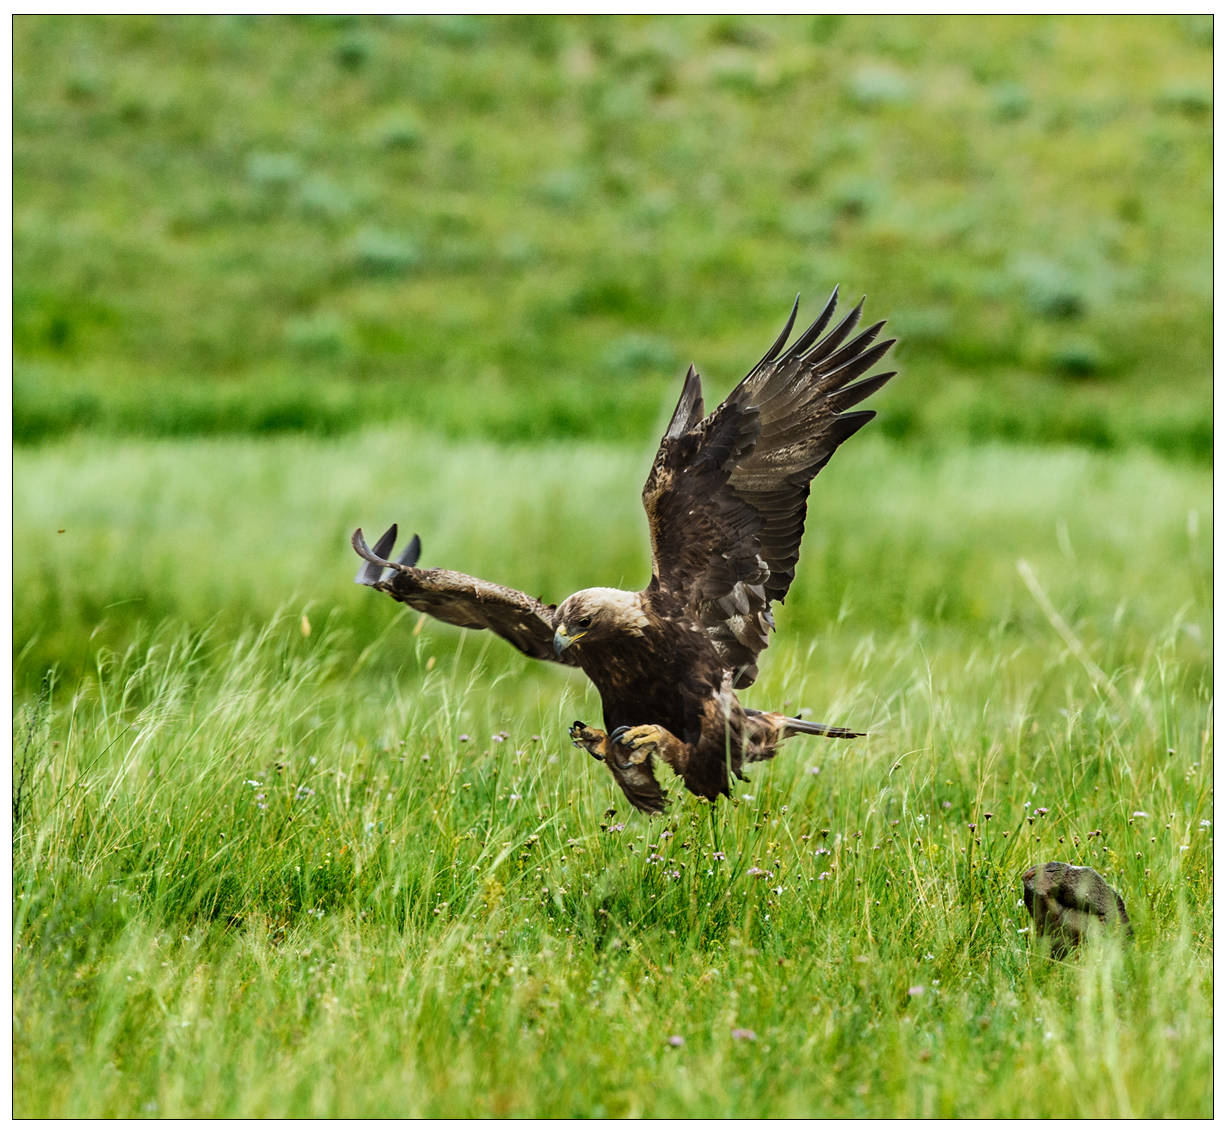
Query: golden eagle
725	502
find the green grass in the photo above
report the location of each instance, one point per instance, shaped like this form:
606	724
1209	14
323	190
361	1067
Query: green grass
522	227
265	872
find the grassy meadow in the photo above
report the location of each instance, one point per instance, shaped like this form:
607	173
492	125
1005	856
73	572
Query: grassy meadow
282	849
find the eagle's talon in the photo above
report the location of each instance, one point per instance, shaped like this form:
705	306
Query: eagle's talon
591	740
640	737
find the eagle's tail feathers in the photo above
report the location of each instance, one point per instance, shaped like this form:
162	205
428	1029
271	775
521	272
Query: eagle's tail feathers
794	725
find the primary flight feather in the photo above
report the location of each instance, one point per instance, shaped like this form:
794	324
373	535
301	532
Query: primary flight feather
725	502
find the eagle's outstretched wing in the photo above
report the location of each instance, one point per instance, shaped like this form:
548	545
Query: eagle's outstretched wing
462	600
726	495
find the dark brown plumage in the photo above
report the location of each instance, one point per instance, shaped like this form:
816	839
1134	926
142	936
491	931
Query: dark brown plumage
1069	903
725	502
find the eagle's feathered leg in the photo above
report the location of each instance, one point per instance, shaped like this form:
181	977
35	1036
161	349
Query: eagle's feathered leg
635	776
636	744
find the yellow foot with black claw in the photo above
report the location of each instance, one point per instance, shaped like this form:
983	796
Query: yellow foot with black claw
635	744
592	740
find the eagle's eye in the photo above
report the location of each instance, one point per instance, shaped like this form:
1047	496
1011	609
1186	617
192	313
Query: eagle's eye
585	622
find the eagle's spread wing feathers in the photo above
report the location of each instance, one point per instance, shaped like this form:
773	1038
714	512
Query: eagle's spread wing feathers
727	493
462	600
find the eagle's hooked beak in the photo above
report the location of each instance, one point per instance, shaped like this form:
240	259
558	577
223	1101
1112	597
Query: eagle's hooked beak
563	641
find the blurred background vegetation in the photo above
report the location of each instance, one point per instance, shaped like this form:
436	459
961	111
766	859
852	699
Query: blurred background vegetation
517	227
278	277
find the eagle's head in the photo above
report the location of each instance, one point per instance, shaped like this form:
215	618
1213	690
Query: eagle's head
597	615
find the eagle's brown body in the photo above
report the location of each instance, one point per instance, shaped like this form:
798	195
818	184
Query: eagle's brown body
725	501
698	727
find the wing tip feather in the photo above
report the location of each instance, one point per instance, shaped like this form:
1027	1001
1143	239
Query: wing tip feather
689	405
376	562
411	552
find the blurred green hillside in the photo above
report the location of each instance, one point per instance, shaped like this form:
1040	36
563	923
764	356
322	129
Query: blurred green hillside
527	226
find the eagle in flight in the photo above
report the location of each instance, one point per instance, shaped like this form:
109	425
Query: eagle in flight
725	502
